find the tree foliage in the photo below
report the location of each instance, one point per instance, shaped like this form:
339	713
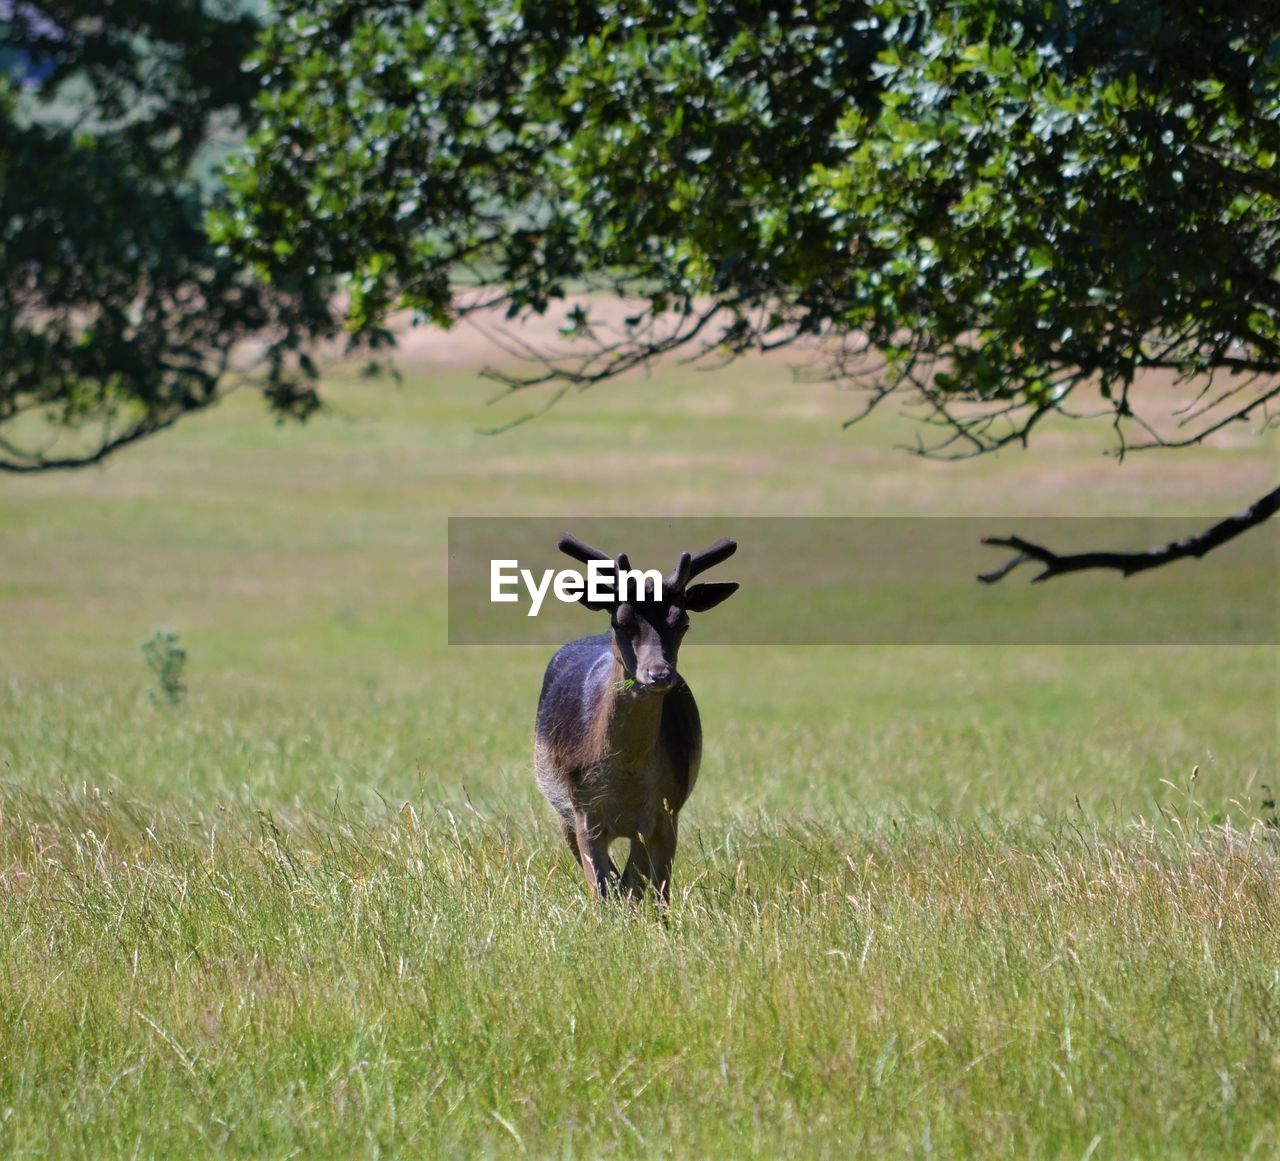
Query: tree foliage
117	314
993	208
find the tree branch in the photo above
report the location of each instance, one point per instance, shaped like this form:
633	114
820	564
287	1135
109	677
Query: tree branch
20	461
1129	563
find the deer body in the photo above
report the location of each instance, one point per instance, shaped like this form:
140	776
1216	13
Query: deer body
614	762
618	740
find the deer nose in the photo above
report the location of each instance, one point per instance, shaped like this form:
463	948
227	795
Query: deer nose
659	675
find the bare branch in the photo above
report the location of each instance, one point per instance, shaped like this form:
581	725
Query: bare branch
30	463
1129	563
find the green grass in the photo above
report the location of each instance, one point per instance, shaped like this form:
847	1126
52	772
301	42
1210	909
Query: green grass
980	901
435	982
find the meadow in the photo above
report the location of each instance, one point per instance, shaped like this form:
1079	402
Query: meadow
992	900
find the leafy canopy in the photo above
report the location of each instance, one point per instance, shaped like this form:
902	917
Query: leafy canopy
1009	203
117	314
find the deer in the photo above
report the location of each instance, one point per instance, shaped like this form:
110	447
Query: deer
618	740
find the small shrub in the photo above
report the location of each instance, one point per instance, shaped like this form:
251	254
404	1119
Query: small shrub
166	660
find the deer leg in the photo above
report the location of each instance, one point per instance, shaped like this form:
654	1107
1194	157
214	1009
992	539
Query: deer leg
593	853
569	832
662	853
636	874
650	861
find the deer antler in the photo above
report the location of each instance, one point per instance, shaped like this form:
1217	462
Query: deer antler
678	577
572	546
709	557
677	580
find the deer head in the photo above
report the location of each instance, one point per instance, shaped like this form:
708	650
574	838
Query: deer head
647	632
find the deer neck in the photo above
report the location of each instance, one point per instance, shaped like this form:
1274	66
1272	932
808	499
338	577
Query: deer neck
630	719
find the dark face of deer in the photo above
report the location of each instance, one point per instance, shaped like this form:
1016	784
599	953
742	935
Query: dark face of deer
647	632
646	638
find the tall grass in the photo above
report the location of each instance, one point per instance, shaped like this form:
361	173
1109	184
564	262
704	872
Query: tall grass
355	981
1015	901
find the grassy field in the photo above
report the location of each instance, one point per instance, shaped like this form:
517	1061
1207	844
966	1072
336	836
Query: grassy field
1014	900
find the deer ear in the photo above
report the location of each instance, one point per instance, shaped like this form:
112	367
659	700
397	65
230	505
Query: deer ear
702	597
